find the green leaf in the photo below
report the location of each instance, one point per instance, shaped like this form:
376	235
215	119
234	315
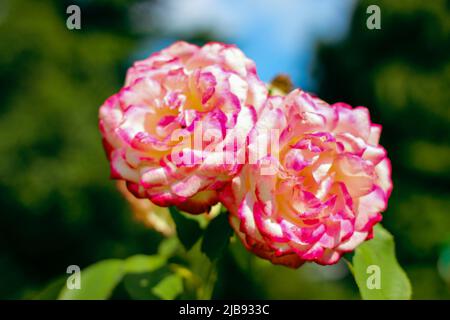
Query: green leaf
377	272
97	281
188	230
168	247
51	290
141	263
139	285
217	236
169	288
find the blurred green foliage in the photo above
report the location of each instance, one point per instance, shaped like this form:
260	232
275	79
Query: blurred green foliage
402	73
59	208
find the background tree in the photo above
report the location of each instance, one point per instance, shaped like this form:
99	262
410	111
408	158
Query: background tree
401	73
57	205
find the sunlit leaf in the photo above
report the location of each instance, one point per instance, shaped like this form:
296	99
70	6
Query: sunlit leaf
169	288
52	290
97	281
168	247
376	270
142	263
139	285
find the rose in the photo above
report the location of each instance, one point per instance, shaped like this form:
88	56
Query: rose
149	126
331	180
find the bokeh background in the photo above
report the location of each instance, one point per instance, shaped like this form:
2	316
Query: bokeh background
58	206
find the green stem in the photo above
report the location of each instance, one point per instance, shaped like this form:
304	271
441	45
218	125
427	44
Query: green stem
209	282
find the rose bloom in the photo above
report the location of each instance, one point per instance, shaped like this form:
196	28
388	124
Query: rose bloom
328	182
150	127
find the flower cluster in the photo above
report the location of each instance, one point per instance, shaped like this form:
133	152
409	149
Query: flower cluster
302	180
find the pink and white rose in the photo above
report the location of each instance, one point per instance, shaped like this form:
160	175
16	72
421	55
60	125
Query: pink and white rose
331	182
150	125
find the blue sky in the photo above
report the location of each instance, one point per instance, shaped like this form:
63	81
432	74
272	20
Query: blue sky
279	35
